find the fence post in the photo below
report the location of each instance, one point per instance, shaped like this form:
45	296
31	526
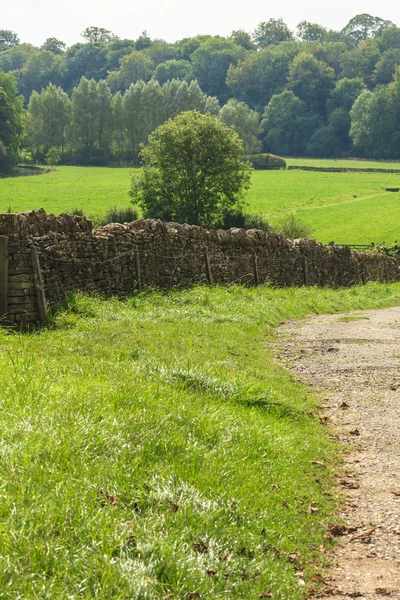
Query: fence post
137	269
386	272
339	270
362	272
39	286
256	278
208	266
305	270
3	275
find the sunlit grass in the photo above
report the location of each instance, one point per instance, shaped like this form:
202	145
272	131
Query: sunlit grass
154	448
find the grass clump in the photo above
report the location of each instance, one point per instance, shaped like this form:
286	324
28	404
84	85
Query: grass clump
154	448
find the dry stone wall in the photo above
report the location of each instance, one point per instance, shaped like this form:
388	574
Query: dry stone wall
114	259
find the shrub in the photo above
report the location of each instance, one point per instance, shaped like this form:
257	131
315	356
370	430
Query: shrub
118	215
91	157
293	228
266	161
244	221
53	157
393	250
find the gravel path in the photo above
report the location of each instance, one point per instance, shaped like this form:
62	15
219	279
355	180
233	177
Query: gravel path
354	360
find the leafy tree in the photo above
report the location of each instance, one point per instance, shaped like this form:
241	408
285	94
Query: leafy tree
40	69
311	32
54	45
116	51
386	66
389	38
15	57
48	120
11	123
143	41
161	51
86	60
245	122
364	26
361	61
242	38
211	62
312	81
193	171
274	31
173	69
260	75
330	53
323	143
135	66
287	124
98	35
345	93
8	39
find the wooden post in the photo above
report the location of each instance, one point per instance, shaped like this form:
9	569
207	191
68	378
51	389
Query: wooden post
305	270
256	278
362	272
3	276
339	270
386	272
137	268
208	267
39	285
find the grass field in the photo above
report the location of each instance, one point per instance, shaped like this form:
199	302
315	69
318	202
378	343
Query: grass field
344	207
153	448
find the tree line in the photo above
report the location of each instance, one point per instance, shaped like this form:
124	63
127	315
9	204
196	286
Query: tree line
312	92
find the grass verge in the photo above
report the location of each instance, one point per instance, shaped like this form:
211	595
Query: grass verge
154	448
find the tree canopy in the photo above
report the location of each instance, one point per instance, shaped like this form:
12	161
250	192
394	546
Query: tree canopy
192	172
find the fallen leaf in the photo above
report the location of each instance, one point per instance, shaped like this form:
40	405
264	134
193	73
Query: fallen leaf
211	572
383	591
338	530
201	547
267	594
354	432
396	493
193	596
344	405
351	485
293	556
319	463
317	578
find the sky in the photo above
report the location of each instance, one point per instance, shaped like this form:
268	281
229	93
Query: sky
36	20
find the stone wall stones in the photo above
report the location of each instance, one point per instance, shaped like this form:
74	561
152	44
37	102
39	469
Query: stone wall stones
74	256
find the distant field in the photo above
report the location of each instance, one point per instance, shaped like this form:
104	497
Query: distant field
344	207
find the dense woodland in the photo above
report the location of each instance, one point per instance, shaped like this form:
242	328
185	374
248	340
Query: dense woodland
313	92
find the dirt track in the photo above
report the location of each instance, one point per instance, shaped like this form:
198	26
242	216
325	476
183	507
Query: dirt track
354	359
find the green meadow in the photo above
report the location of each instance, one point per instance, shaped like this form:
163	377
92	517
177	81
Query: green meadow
154	448
343	207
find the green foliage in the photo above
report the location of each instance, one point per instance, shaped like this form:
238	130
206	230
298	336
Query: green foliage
173	69
193	172
293	228
364	26
11	123
118	215
269	162
392	250
53	156
245	122
8	39
272	32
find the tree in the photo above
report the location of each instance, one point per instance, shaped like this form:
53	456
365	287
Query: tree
193	171
11	123
54	45
312	81
98	35
287	124
260	75
135	66
48	119
40	69
386	66
311	32
364	26
242	38
173	69
245	122
86	60
274	31
8	39
211	63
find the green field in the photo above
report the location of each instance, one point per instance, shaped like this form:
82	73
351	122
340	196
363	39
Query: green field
344	207
175	458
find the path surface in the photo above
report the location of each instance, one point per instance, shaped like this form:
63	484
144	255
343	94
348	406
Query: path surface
356	366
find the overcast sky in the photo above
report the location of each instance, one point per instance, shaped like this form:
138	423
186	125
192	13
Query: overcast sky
36	20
